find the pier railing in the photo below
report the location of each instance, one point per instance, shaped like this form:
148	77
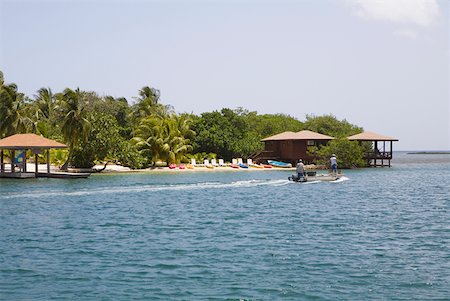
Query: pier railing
377	155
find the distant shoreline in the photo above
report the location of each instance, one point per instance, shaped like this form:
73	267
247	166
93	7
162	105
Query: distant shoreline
430	153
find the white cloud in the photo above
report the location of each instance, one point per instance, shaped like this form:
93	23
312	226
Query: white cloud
419	12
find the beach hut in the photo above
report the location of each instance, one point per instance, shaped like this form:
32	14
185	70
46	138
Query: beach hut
21	143
381	152
291	146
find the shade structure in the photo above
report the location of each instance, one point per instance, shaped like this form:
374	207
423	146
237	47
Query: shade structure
25	142
302	135
381	154
371	136
29	141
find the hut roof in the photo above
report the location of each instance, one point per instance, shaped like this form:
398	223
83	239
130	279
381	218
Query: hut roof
370	136
29	141
310	135
281	136
302	135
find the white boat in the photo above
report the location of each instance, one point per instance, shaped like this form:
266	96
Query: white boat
313	176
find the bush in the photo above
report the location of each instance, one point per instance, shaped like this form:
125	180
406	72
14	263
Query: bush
349	154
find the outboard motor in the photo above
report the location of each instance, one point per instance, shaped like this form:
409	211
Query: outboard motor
295	178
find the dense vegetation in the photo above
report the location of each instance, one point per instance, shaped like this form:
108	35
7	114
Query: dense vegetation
100	129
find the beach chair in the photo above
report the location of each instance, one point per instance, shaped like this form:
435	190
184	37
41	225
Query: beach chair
234	161
214	162
239	161
193	163
221	163
249	162
206	162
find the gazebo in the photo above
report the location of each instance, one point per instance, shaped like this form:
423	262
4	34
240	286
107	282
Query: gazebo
376	157
25	142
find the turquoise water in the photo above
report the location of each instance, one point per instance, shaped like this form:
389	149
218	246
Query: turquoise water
384	234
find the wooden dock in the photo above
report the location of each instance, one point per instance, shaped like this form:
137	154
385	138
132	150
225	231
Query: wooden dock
32	175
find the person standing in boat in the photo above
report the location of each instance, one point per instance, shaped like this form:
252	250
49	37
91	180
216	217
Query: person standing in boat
300	169
333	162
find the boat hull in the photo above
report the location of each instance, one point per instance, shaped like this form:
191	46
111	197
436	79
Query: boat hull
320	177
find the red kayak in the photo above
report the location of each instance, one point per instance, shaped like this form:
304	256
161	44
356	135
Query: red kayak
172	166
267	166
182	166
234	166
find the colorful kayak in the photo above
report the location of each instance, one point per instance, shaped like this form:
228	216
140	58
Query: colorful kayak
279	164
172	166
256	165
241	165
234	166
190	166
182	166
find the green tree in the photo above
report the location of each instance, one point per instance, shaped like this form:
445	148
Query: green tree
102	143
75	126
330	125
46	118
164	138
13	110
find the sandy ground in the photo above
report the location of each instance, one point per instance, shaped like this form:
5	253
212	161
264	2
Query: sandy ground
113	168
118	168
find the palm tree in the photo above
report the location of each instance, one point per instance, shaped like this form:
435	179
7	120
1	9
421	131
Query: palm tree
13	117
148	105
75	127
164	138
45	109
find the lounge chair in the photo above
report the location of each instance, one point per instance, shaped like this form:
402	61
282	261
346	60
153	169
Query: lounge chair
193	162
249	162
214	162
239	161
234	161
221	163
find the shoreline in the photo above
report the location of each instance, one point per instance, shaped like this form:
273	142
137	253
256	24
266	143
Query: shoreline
113	168
118	169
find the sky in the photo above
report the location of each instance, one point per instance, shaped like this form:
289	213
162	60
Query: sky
382	65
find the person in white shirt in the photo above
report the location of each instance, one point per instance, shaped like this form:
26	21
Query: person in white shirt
333	163
300	169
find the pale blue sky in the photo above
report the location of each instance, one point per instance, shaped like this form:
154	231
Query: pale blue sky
383	65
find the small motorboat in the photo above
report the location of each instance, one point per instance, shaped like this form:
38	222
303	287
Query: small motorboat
312	177
279	164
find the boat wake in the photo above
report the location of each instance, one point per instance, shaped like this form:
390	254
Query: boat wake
151	188
341	179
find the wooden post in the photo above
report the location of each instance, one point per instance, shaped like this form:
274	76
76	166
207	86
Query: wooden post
390	157
36	165
2	165
48	160
13	154
24	161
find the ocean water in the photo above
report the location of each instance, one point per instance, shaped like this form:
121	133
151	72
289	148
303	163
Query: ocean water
381	234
